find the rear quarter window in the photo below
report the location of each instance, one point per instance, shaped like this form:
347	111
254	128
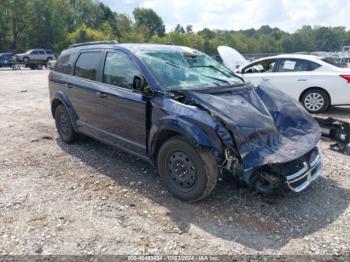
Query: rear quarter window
64	64
87	65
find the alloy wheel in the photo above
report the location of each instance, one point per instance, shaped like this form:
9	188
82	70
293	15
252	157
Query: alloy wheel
314	102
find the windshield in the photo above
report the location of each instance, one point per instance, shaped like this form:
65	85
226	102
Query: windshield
187	69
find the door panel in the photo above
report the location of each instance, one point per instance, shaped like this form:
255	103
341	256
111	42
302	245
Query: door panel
122	117
121	111
82	87
291	83
81	93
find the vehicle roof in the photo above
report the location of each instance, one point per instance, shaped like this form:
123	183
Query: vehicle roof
136	47
295	56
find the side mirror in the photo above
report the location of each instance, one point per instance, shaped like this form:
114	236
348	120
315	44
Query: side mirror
139	84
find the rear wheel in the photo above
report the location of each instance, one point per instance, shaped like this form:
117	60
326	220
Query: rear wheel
315	101
64	125
189	173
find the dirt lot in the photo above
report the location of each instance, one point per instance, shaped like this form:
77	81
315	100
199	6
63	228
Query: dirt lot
89	198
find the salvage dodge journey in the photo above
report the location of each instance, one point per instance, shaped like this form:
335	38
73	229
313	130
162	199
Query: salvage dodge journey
188	115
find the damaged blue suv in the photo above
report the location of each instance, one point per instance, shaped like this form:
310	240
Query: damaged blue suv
185	113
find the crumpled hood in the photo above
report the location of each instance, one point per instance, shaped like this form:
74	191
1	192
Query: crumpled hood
267	125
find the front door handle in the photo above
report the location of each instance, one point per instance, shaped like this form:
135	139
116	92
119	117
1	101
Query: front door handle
68	85
101	94
302	79
266	79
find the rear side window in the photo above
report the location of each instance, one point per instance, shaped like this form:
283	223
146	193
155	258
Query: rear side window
64	64
49	52
87	65
330	61
41	52
296	65
119	70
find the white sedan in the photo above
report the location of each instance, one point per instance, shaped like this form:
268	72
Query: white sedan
313	81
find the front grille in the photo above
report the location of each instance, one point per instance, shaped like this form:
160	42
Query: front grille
301	172
291	167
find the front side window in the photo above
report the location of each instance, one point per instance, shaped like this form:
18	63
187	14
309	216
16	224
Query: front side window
119	70
296	65
87	65
265	66
187	69
34	52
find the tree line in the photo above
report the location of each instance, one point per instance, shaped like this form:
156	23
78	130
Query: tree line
55	24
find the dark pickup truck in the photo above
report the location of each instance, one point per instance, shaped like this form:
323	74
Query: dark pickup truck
185	113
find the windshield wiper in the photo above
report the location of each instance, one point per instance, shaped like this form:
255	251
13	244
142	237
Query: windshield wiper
168	63
217	79
212	67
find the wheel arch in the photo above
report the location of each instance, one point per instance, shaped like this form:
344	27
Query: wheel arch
61	99
169	128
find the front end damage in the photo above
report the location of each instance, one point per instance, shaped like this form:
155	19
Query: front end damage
270	139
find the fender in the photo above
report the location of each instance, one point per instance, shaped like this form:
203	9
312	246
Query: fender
190	131
63	99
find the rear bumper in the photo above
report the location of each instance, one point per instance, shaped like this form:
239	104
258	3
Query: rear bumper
311	170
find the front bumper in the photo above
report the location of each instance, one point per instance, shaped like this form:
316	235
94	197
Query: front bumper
311	170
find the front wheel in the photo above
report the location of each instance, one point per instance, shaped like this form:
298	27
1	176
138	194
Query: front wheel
189	173
315	101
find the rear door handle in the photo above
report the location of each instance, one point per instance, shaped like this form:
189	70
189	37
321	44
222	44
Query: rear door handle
266	79
302	79
68	85
101	94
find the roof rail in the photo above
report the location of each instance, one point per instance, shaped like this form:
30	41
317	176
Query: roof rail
94	43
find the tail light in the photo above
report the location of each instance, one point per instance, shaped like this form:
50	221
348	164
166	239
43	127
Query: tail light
49	76
346	77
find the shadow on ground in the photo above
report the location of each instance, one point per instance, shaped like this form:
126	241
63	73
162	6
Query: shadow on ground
341	112
231	212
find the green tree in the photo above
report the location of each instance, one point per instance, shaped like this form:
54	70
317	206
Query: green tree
189	29
179	29
145	17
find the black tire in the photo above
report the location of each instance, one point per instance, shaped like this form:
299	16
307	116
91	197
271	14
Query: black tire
189	173
49	59
64	125
315	101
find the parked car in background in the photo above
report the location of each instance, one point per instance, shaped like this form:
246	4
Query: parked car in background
51	64
36	55
317	83
187	114
6	60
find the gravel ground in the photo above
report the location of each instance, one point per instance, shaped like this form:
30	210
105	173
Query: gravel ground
89	198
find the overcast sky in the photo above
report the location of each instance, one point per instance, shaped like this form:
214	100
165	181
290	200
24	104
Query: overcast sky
288	15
